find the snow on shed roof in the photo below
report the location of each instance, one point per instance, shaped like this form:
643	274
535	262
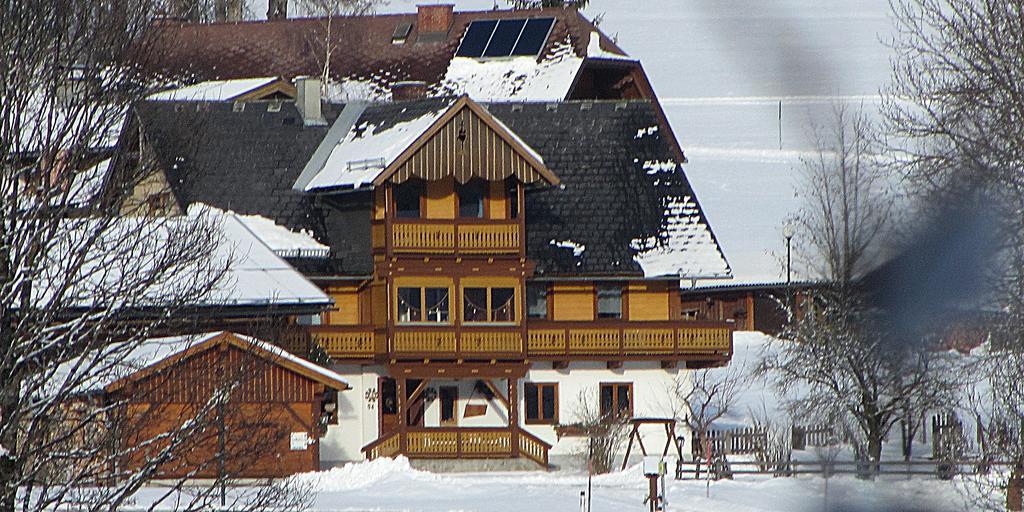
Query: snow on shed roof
285	242
103	368
213	90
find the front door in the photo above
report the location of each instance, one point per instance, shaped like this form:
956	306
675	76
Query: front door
448	396
388	404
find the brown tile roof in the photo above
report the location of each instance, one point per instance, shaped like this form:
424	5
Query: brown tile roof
362	46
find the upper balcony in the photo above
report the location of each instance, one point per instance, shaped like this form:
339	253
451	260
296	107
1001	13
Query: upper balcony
701	342
453	237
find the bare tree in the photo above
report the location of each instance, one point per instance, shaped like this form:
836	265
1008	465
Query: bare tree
841	360
707	395
605	433
81	286
327	35
848	199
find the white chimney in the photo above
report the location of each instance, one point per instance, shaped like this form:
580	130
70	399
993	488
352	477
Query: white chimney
307	100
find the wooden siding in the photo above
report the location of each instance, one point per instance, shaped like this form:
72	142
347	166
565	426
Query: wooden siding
481	153
497	203
346	309
572	302
193	380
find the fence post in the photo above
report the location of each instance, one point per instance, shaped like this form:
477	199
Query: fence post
1014	494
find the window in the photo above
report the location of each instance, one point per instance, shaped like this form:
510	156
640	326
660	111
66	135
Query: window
609	301
541	402
471	200
537	300
489	305
407	199
412	300
616	399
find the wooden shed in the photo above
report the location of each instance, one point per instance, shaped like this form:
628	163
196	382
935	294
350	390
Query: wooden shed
252	410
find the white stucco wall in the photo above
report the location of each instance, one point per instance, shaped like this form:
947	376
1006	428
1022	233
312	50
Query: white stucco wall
652	390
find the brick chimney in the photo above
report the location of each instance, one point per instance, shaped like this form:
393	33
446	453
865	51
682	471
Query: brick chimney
411	90
433	19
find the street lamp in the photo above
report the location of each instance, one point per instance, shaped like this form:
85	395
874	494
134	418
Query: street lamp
788	232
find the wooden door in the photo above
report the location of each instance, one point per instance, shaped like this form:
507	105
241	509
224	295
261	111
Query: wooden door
449	396
388	404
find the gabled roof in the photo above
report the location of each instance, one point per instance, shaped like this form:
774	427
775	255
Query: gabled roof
624	206
114	367
156	354
387	142
227	90
369	62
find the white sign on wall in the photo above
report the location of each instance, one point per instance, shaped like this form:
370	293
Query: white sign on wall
300	441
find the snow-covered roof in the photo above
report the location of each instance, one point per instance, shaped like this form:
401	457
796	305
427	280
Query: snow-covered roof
130	251
688	248
514	78
256	275
214	90
284	242
88	184
97	370
367	149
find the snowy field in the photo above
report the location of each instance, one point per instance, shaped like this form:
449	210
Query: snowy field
391	485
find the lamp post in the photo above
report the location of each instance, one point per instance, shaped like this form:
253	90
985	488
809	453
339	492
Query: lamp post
787	232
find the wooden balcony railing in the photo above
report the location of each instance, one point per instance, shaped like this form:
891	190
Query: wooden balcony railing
466	342
545	339
459	443
339	341
456	237
675	338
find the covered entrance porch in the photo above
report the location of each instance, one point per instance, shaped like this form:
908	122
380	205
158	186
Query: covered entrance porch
453	411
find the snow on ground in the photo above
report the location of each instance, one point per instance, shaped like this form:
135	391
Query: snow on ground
392	485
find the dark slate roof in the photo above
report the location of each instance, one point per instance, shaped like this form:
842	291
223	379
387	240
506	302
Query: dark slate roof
365	52
620	181
622	191
245	162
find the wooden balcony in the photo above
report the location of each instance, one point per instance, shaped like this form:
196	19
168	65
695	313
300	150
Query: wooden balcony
597	340
463	343
456	237
460	443
632	340
339	341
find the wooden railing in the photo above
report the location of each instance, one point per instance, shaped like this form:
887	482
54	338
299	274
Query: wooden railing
339	341
459	442
677	338
451	343
533	448
456	236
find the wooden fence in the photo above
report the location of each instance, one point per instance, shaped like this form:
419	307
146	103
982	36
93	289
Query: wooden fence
742	441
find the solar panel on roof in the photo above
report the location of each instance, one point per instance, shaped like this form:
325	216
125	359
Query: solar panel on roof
493	38
476	38
504	38
533	37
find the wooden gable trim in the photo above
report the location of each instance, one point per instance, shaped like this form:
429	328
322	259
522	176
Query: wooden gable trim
399	172
277	86
223	340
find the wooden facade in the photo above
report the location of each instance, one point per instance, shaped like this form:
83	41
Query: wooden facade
270	399
448	296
